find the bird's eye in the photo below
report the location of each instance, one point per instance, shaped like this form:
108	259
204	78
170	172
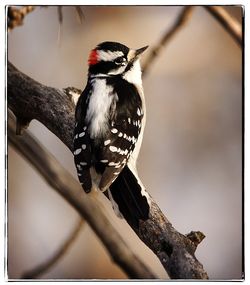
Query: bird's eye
120	60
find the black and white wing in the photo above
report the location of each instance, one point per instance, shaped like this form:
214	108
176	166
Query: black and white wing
82	142
124	129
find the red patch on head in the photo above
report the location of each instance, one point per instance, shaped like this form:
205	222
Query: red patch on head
93	57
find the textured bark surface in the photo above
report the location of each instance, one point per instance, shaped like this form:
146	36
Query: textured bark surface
29	100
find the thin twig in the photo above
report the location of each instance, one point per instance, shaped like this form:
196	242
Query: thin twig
80	14
60	20
55	110
87	206
61	251
60	14
179	23
231	25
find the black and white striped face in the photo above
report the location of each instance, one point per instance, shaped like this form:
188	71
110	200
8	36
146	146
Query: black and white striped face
111	58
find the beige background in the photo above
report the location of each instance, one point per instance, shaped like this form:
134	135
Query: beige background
191	158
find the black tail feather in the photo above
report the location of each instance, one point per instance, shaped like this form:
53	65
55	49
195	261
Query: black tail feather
126	192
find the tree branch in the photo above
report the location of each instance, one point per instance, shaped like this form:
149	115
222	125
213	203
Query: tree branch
60	252
230	24
87	206
16	16
55	110
179	23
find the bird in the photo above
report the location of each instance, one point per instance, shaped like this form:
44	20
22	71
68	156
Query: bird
110	117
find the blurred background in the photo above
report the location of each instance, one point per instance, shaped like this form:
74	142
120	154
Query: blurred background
191	157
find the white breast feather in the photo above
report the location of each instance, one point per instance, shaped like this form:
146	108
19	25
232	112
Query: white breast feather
98	109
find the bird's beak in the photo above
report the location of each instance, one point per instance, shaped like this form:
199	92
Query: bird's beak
135	53
140	51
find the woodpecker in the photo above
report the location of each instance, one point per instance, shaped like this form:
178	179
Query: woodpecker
109	123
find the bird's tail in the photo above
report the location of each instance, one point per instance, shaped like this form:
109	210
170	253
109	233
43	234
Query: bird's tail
129	197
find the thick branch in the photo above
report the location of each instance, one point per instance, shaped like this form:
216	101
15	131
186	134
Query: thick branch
87	206
230	24
55	110
179	23
29	100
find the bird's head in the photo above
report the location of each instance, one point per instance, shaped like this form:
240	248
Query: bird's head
112	58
